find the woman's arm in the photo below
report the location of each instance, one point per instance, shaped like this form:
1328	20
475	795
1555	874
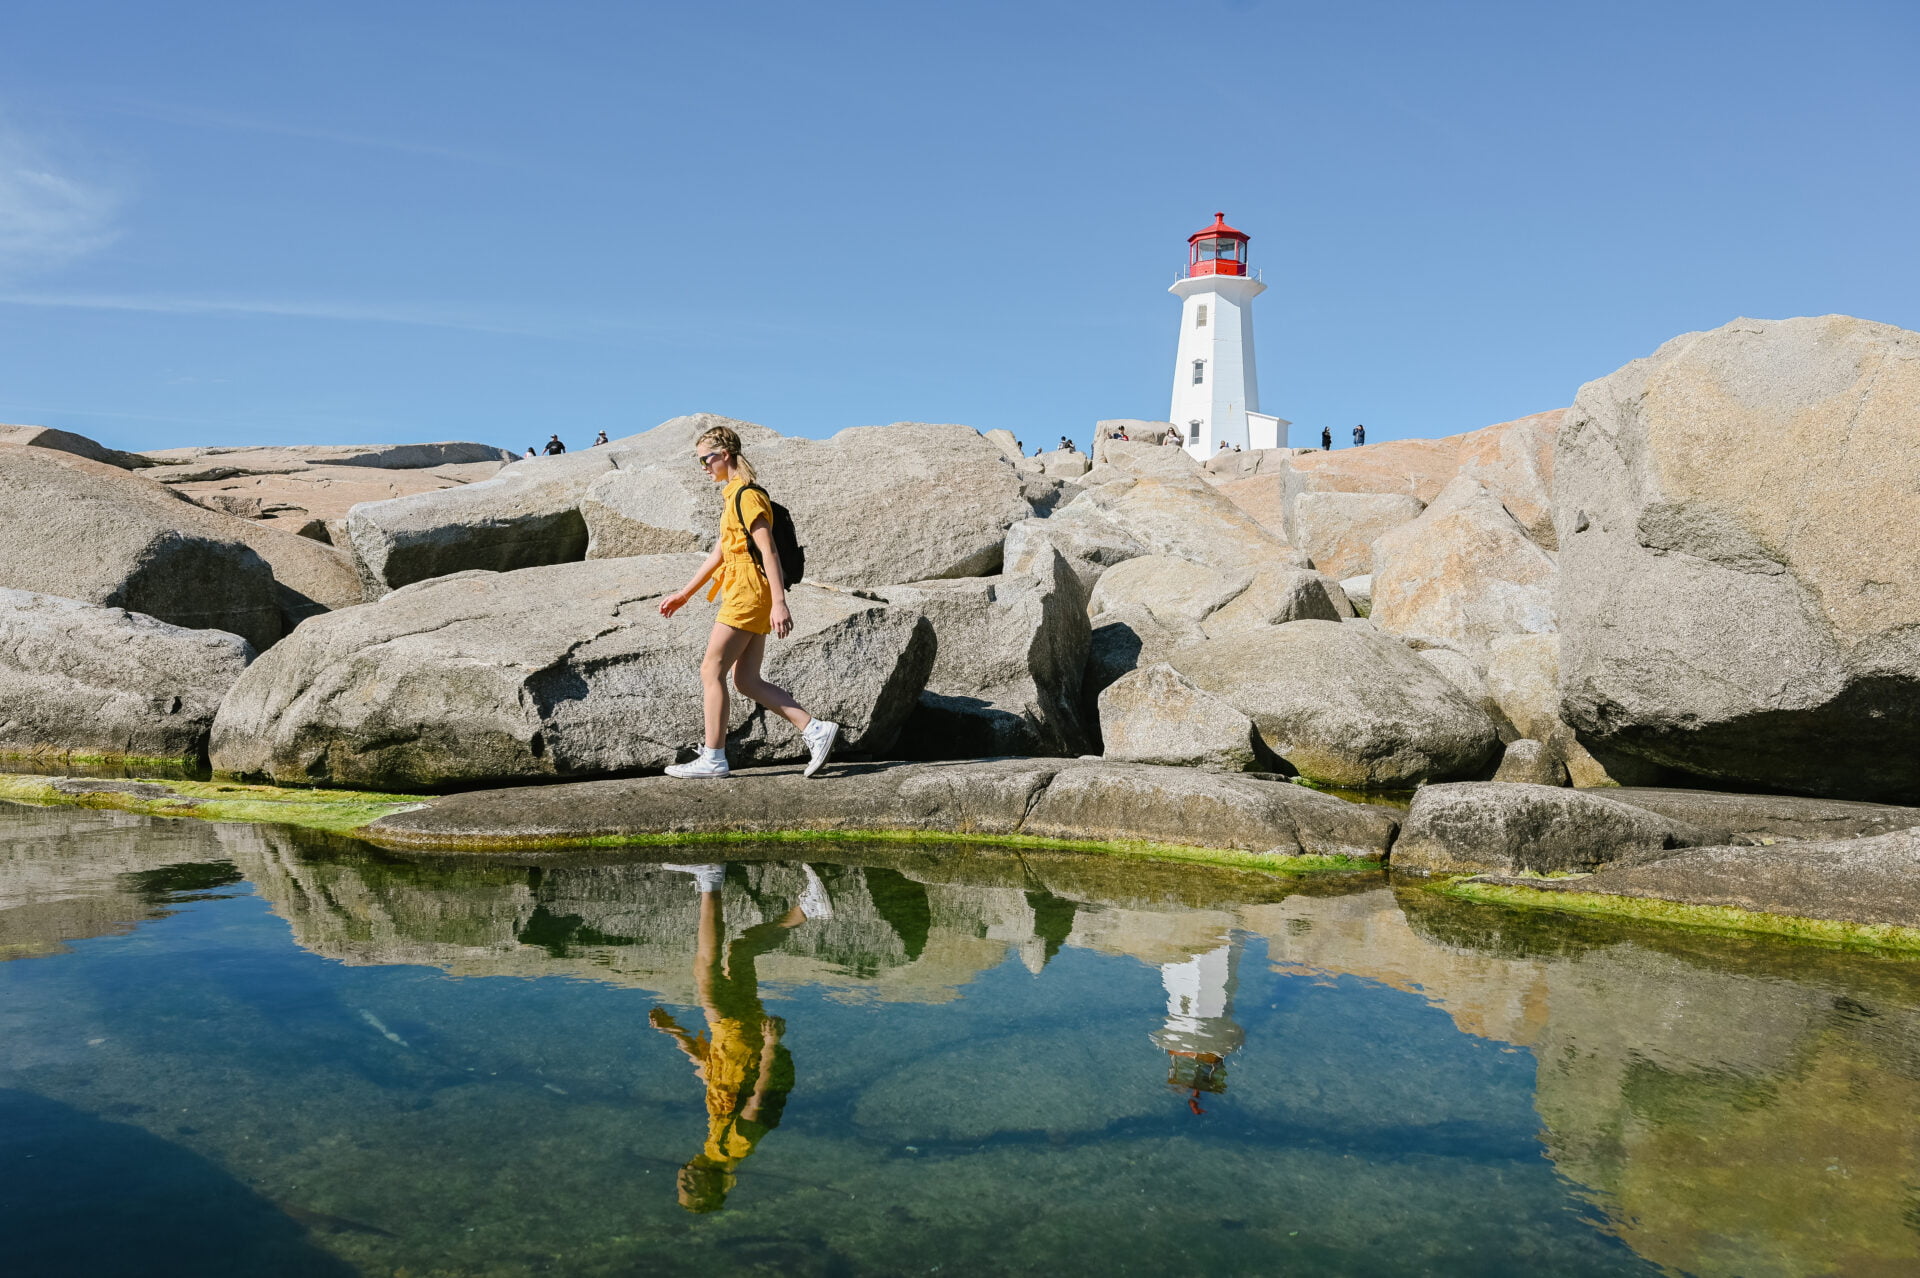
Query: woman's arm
762	534
674	603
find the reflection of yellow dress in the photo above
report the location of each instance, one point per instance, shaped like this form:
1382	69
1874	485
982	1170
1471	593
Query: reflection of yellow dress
733	1073
740	1059
748	604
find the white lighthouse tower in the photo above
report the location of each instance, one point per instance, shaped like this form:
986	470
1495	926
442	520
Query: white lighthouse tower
1216	392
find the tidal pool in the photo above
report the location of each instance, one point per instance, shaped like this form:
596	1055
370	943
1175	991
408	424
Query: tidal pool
233	1049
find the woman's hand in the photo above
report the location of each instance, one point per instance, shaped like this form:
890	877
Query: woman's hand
782	620
674	602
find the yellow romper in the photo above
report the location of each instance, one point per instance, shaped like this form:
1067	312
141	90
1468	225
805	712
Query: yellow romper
748	604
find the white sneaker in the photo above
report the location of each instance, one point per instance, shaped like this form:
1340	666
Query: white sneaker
708	877
814	901
819	736
700	768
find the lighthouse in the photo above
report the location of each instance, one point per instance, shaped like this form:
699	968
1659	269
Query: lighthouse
1216	392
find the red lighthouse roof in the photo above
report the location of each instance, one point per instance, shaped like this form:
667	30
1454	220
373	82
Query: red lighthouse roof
1219	228
1217	250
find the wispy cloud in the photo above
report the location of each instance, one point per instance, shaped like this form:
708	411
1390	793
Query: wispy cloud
47	217
469	320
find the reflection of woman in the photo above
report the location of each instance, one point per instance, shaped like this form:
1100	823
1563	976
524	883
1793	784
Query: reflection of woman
747	1071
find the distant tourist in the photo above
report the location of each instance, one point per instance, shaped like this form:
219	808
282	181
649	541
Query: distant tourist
530	451
1359	436
1122	435
745	565
1173	436
554	447
599	439
747	1070
1326	438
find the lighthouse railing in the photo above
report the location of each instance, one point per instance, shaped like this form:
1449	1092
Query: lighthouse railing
1252	274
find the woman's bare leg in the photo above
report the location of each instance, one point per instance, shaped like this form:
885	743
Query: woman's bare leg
724	646
749	681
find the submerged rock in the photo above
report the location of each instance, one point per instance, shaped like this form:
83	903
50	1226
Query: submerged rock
1739	557
1469	827
567	670
79	678
1051	798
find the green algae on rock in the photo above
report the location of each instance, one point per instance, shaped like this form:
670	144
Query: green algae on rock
336	811
1071	800
1719	918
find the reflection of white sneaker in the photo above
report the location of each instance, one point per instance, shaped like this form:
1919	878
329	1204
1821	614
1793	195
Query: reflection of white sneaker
708	877
814	901
819	736
704	766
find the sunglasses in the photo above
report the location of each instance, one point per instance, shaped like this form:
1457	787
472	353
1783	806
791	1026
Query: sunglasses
706	460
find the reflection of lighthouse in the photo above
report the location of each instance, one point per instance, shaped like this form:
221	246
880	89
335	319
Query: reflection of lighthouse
1200	1031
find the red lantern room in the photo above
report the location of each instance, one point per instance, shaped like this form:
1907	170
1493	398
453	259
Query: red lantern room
1218	250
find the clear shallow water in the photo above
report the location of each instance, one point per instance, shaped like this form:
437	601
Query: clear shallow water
243	1050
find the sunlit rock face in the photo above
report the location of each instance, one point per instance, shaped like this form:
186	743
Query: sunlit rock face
565	670
1739	589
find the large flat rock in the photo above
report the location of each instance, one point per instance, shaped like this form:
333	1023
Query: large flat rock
1504	826
1757	817
1874	880
1050	798
379	456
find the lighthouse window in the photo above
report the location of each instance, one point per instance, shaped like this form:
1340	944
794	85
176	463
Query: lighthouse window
1221	249
1200	316
1199	371
1193	430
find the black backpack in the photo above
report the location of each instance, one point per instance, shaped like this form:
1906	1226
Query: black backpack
786	542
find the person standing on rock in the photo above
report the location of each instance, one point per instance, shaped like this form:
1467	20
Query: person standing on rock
753	605
600	439
1326	438
1359	436
554	447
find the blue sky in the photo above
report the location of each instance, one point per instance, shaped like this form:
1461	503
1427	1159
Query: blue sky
419	219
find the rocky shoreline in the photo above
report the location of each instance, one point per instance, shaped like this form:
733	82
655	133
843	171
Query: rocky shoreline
1574	640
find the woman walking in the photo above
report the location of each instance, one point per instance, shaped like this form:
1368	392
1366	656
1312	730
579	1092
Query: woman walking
746	567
